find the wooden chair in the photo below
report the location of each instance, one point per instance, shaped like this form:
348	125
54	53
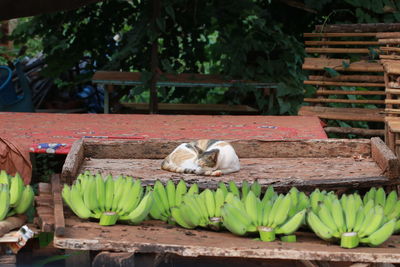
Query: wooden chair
347	75
390	58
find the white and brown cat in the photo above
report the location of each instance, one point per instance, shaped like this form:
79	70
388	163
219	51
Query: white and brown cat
203	157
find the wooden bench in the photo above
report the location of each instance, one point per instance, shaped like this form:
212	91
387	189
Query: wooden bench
347	75
115	78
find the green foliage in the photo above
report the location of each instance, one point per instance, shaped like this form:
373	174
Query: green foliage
243	39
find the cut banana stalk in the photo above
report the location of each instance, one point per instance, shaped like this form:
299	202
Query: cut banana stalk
267	234
349	240
108	218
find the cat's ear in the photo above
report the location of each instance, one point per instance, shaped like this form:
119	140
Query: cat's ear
215	153
199	150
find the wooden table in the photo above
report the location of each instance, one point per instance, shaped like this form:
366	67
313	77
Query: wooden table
33	129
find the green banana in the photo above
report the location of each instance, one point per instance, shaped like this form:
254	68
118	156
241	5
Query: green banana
318	226
219	201
338	216
100	191
234	188
109	184
142	210
4	201
210	202
380	197
380	235
282	211
26	200
390	202
181	190
171	193
4	178
177	215
350	213
77	204
326	217
16	189
251	207
193	189
256	188
245	189
374	223
292	224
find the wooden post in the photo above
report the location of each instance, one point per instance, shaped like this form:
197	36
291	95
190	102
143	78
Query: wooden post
154	59
59	222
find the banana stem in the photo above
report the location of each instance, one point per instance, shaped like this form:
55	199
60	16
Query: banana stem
267	234
289	238
215	223
349	240
108	218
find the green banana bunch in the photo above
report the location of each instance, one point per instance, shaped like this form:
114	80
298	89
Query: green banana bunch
352	220
269	216
15	197
108	199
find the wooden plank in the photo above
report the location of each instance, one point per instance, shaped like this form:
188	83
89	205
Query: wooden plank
169	79
382	35
203	108
391	66
341	43
349	101
340	34
357	131
333	83
74	158
11	223
390	49
347	92
359	27
282	173
158	237
59	224
337	64
328	50
385	158
389	41
394	57
392	91
159	149
348	78
392	101
346	114
391	111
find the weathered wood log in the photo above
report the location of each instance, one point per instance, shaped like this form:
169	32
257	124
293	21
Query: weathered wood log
359	28
59	223
357	131
332	83
341	42
322	50
346	92
339	34
11	223
348	78
351	101
346	114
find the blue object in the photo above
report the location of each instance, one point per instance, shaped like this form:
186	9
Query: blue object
9	100
7	91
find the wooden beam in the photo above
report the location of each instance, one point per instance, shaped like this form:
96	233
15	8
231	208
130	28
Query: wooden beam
356	131
346	114
388	35
385	158
339	34
346	92
328	50
348	78
59	223
350	101
202	108
341	42
329	83
389	41
338	65
359	28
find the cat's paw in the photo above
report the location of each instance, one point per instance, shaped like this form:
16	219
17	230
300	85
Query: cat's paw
216	173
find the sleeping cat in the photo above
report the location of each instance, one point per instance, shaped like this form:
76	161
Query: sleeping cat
203	157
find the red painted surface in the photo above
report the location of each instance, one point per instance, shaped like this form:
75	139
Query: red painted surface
33	129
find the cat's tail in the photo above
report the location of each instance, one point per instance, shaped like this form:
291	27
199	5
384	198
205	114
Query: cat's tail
168	166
